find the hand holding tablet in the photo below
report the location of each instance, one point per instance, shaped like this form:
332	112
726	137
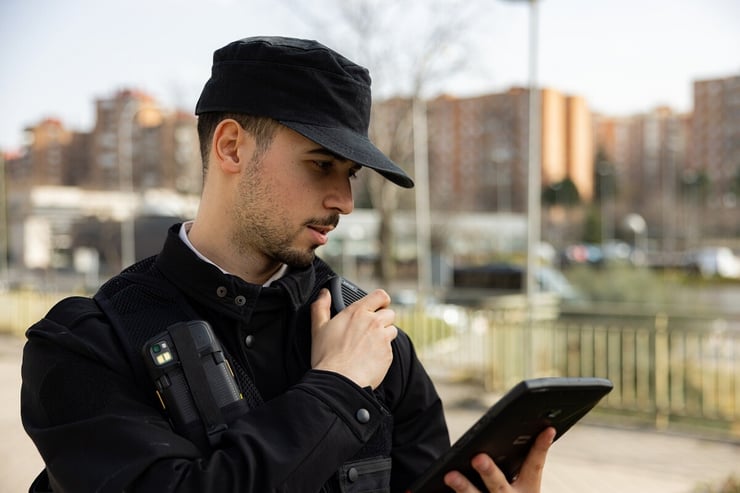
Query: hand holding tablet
507	431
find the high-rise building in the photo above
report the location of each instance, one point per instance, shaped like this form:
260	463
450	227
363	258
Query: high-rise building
715	148
478	149
131	136
477	152
580	147
647	154
125	143
43	158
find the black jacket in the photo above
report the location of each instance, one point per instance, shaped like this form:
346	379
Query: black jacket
99	427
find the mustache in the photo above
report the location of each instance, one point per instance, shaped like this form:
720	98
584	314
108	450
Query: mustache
332	221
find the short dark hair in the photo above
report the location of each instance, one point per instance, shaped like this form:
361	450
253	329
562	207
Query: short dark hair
262	128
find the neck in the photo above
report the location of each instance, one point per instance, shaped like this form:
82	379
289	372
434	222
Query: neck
210	240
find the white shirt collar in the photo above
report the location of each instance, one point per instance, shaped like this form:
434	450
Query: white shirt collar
185	227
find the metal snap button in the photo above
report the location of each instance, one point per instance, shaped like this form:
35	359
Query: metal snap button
353	474
240	300
221	291
362	415
249	341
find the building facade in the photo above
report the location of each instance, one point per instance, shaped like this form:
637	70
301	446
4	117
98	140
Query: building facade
680	172
68	190
479	149
716	137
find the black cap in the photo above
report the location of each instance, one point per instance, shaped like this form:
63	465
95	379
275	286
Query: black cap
305	86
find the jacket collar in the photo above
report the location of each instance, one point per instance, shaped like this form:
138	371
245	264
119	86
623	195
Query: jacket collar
206	283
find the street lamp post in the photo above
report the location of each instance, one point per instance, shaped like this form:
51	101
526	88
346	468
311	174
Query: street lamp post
126	179
534	181
4	242
607	179
533	168
637	225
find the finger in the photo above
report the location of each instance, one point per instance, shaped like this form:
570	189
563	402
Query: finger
381	320
321	309
530	476
384	317
492	476
459	483
392	332
374	301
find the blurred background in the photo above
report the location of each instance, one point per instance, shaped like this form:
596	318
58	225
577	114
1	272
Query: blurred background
577	167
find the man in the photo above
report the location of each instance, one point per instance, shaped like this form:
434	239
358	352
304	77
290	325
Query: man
331	403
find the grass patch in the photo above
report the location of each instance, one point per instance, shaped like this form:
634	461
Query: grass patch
729	485
624	284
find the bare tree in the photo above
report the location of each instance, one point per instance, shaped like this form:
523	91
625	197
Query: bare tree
408	45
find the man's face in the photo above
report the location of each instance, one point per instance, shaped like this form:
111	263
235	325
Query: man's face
291	199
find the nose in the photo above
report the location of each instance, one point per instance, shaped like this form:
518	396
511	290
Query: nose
339	196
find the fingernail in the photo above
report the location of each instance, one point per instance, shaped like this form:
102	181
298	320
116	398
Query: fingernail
453	481
483	465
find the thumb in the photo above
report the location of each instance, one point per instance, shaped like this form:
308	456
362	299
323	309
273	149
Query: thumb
321	309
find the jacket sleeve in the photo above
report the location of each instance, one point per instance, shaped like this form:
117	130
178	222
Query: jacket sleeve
98	432
420	432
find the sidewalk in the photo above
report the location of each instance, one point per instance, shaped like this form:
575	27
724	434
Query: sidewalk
19	460
586	460
591	458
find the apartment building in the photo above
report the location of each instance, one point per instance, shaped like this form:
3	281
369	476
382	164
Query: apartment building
132	139
477	152
646	154
478	149
716	137
45	158
680	171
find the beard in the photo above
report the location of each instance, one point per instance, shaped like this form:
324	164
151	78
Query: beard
264	228
282	246
279	242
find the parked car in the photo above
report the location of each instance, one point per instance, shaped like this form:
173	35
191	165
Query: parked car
714	262
503	278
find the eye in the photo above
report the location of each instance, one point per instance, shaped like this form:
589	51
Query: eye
323	166
328	166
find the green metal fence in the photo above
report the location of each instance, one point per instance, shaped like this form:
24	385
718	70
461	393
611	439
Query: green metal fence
669	371
20	309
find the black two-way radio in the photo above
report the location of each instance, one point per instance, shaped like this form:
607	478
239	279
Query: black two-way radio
344	293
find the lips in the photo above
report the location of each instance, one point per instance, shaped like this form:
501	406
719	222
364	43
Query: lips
320	233
320	227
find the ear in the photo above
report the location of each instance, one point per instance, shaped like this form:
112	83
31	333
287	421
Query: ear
231	145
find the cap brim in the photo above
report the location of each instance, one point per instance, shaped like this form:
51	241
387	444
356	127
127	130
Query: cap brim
355	147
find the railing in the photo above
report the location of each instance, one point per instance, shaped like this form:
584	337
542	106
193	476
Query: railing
21	309
670	371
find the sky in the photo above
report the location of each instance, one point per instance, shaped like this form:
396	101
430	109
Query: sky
623	56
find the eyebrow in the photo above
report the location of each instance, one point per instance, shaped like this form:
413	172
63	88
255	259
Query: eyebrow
324	150
327	152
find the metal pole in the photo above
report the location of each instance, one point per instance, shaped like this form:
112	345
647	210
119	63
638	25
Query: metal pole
4	233
126	180
533	184
533	169
421	168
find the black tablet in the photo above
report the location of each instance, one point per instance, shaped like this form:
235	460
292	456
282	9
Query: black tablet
509	428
